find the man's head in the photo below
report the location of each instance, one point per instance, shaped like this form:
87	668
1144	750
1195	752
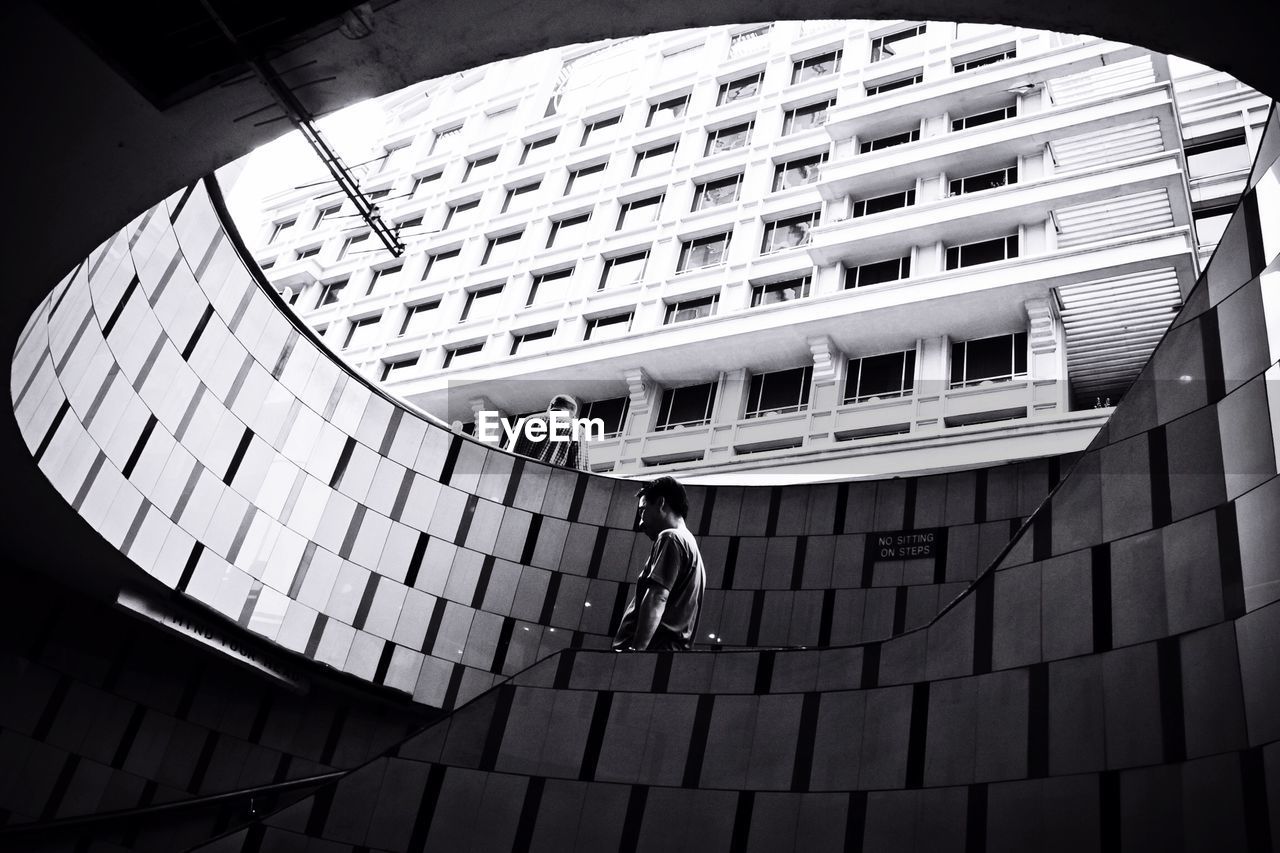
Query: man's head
564	403
662	505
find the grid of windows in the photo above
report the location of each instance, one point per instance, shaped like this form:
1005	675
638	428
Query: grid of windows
623	269
441	265
668	110
362	332
894	83
502	247
878	377
999	55
686	407
514	193
522	339
392	367
418	317
585	177
548	283
867	146
779	392
885	46
884	203
611	326
691	309
451	353
330	292
534	144
816	66
639	212
790	232
478	163
798	172
985	117
996	359
717	192
743	87
877	272
612	412
809	116
703	252
984	181
594	128
651	161
559	227
729	138
780	291
982	252
457	213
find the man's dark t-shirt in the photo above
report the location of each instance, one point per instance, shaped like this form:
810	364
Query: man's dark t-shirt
676	565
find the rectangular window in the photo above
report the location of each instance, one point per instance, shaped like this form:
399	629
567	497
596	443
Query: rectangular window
326	213
983	252
456	214
1210	222
547	285
481	303
691	309
266	265
624	269
386	277
501	248
779	392
613	412
780	291
534	145
479	163
418	318
687	406
816	66
729	138
796	173
408	224
607	328
514	193
522	338
362	332
399	365
717	192
422	180
450	353
330	292
988	59
585	178
736	90
896	83
877	272
790	232
883	47
310	252
748	40
378	194
445	140
703	252
654	160
668	110
984	181
888	141
986	117
640	212
394	158
593	130
562	227
441	265
806	117
878	377
281	227
357	242
1218	157
883	203
997	359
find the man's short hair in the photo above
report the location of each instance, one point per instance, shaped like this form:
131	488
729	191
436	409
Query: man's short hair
669	490
563	401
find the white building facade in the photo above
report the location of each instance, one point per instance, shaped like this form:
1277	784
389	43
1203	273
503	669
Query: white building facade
796	251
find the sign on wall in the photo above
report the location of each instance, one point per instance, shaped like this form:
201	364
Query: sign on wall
906	544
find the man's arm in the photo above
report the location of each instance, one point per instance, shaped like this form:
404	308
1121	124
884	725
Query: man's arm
649	614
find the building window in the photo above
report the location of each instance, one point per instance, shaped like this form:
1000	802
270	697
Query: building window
806	117
514	193
325	213
534	145
703	252
888	141
548	283
281	227
456	214
790	232
748	40
585	177
593	128
522	338
501	248
559	227
417	317
445	139
478	163
1218	157
293	295
688	406
406	224
982	252
362	332
736	90
422	180
691	309
984	181
1210	222
668	110
612	412
883	47
986	117
884	203
640	212
377	194
895	83
606	328
780	291
717	192
877	377
729	138
796	173
877	272
623	269
779	392
997	359
654	160
999	55
441	265
450	353
311	252
266	265
391	368
815	66
394	158
384	275
481	303
330	292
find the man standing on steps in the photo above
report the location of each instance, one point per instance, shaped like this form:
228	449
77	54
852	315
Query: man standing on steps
663	613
